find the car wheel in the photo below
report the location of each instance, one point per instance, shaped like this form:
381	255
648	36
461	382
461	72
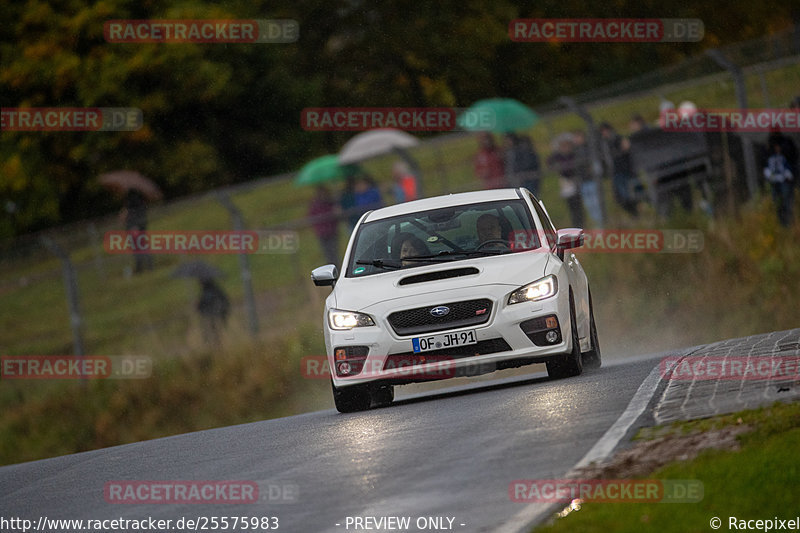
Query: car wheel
572	363
592	358
382	395
351	399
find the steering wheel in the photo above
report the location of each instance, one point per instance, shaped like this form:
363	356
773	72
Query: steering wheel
492	241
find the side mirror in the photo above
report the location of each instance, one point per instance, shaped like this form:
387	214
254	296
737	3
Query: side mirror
569	238
325	275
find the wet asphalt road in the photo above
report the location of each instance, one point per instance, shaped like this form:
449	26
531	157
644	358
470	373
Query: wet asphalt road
449	454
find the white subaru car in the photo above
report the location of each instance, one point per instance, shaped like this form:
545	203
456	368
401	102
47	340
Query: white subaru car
455	285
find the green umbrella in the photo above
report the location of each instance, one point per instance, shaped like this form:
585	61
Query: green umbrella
320	170
499	115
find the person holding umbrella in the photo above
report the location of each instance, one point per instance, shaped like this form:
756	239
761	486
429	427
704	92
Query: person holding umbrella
137	190
134	214
322	211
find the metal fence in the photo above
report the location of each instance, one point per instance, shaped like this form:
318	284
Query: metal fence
29	260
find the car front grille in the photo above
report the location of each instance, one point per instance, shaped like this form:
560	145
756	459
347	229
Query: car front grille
420	320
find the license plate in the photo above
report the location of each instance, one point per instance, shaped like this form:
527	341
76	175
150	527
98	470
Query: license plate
445	340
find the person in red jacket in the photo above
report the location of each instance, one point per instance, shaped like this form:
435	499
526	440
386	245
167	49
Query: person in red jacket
324	219
489	163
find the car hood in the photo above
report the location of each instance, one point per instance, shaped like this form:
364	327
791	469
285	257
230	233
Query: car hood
512	270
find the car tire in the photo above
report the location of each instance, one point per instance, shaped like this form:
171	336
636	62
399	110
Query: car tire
382	395
572	362
351	399
592	359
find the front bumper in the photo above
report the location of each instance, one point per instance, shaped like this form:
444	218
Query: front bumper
502	342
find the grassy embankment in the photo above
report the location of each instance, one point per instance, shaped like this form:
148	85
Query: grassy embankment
751	483
743	282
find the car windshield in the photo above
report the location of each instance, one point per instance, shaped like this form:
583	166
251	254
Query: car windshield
442	235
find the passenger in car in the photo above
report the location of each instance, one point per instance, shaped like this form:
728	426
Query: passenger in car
407	245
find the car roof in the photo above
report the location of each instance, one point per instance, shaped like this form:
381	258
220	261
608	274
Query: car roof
447	200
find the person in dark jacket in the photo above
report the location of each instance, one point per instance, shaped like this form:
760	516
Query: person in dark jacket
616	153
562	161
214	308
135	215
521	162
780	171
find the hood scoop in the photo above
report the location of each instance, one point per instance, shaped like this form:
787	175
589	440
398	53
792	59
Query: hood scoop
439	274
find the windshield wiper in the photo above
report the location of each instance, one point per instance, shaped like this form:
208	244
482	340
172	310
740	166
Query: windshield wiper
379	263
448	255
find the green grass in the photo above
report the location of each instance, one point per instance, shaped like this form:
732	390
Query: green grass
742	283
751	483
244	382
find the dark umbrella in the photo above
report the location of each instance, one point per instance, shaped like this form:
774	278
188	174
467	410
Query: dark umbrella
125	180
197	269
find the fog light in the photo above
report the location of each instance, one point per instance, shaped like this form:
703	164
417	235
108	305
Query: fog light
551	336
344	368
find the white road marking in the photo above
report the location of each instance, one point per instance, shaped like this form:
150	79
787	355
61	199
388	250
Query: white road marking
534	512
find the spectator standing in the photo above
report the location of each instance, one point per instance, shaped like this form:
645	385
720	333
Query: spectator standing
616	153
590	189
322	211
214	307
521	162
405	184
135	215
347	202
367	196
781	173
562	161
489	163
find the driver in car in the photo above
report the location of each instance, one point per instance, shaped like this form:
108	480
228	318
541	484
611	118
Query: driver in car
488	229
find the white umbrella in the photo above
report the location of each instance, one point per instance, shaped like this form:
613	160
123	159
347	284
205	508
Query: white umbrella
374	143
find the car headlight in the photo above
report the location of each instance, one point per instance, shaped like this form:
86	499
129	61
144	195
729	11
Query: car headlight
343	320
538	290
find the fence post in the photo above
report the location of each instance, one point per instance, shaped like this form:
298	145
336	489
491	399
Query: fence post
741	100
244	265
71	287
